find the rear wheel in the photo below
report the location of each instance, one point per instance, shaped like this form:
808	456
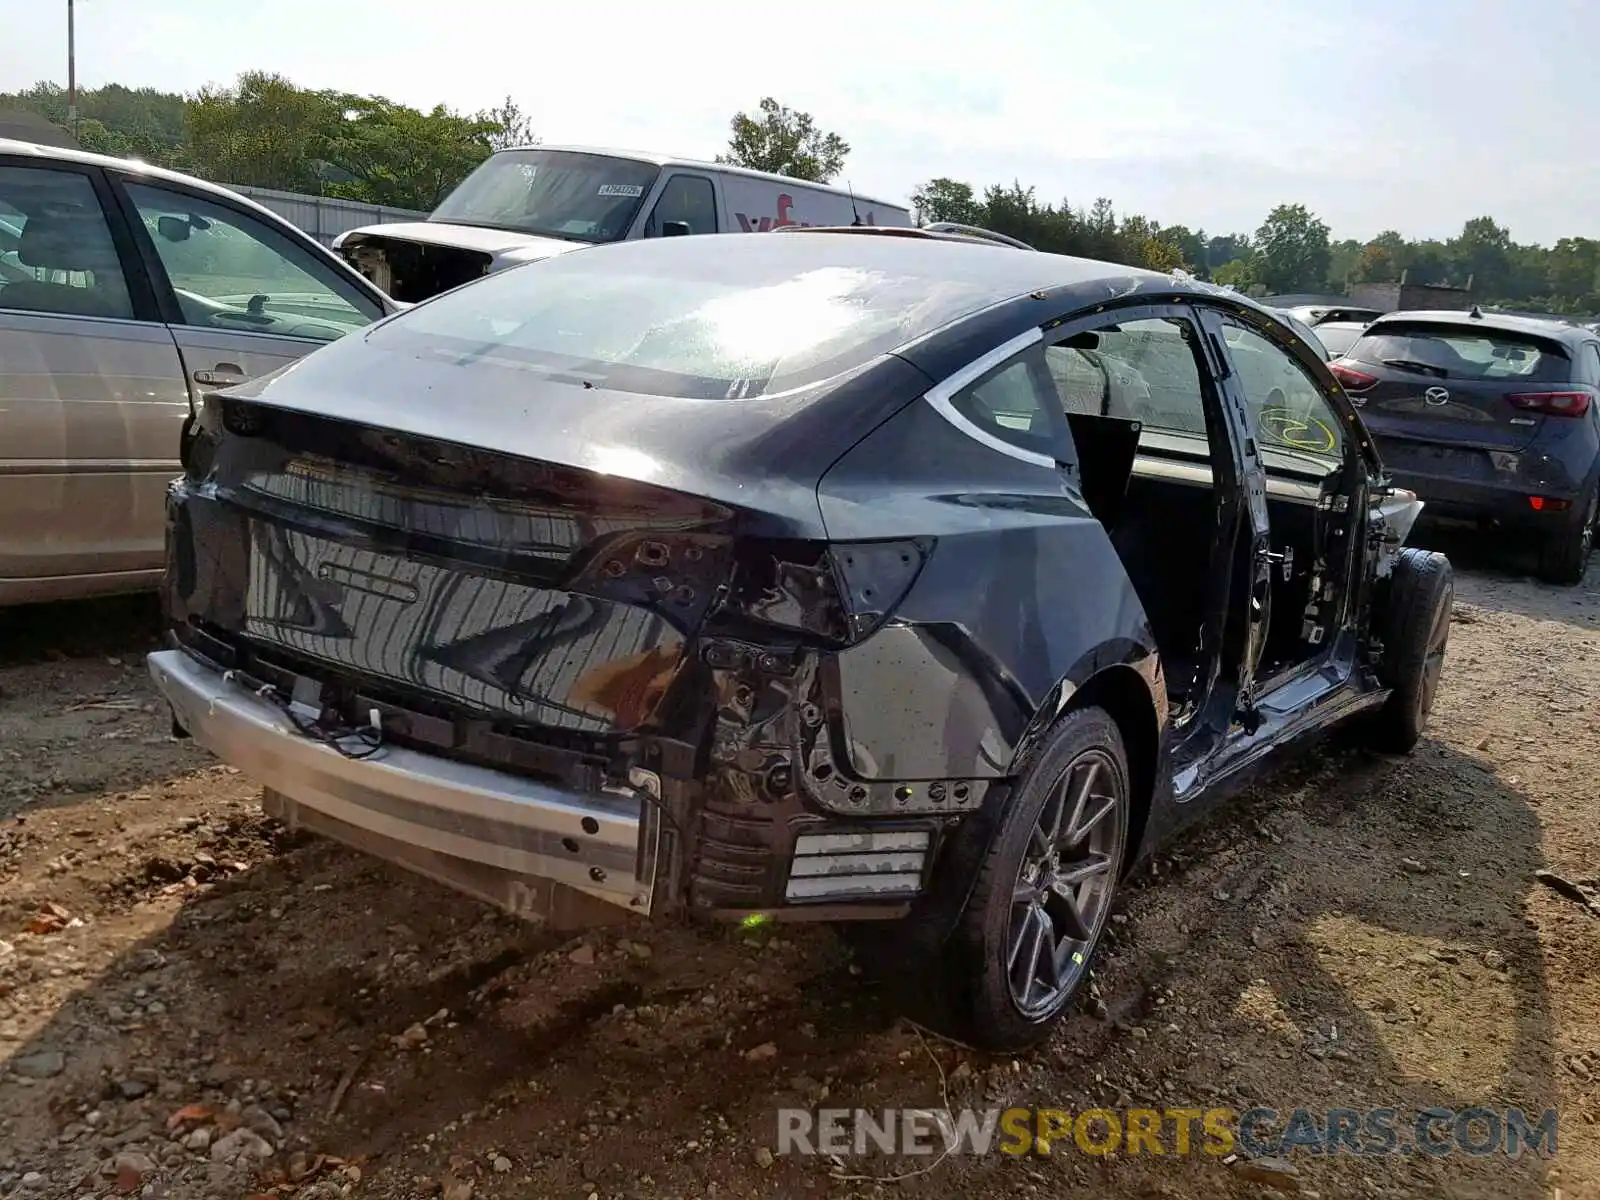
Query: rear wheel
1044	889
1414	623
1565	557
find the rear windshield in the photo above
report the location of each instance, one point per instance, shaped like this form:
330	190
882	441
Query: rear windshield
1339	338
1454	352
724	318
554	193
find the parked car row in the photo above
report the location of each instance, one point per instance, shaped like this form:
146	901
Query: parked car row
890	577
127	293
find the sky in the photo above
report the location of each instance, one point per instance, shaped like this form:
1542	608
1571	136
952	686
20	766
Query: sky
1413	115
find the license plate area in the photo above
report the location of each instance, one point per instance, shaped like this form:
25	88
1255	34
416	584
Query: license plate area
1455	461
493	645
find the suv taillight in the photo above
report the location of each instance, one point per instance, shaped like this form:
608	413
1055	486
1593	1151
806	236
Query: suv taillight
1553	404
1351	379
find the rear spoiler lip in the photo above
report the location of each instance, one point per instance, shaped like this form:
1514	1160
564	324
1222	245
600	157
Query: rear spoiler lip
1548	342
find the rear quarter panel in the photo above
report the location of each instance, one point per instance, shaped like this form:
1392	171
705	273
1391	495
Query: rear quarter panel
1022	600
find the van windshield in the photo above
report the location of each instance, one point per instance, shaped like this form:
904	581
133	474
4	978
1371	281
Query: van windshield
553	193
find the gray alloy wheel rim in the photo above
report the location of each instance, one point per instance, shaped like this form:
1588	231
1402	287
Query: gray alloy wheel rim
1586	534
1064	884
1433	659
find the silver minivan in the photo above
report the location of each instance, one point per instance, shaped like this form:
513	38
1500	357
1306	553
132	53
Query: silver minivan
126	292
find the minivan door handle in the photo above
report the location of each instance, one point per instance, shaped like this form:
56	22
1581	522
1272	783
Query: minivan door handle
220	375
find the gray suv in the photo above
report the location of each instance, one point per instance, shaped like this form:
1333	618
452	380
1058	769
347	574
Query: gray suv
1493	418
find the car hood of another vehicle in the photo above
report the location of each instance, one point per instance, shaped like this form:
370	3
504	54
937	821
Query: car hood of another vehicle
498	243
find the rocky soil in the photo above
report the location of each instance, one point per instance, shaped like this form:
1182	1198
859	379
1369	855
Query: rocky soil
193	1003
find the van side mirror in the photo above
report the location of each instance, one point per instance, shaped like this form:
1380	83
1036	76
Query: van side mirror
674	228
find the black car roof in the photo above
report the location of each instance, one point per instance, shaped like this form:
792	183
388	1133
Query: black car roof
1556	331
996	277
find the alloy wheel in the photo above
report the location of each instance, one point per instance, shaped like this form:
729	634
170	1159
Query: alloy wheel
1064	885
1586	534
1433	656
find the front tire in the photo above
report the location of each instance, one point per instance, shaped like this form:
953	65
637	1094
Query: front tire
1414	623
1044	889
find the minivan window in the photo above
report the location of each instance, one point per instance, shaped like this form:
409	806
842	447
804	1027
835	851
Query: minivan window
1460	352
662	317
554	193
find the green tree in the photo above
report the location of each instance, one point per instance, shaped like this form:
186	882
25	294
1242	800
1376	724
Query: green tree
1381	260
511	126
1343	256
786	142
1144	245
1481	252
1291	250
1226	249
1426	262
266	132
945	200
261	132
1573	268
401	157
125	122
1191	248
1236	273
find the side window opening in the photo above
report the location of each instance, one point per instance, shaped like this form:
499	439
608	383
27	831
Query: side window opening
1300	431
232	271
1303	444
1017	403
1139	392
57	255
687	198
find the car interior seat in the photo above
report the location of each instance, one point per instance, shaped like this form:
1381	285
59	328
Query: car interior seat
69	241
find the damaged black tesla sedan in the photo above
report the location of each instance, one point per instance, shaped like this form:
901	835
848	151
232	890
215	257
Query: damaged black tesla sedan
846	578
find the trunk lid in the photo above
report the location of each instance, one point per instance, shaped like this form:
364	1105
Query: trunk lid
431	574
490	546
1450	384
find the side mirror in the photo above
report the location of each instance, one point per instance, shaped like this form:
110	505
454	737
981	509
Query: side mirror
674	228
1087	340
173	229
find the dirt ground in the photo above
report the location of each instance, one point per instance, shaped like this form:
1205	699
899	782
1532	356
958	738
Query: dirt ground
193	1003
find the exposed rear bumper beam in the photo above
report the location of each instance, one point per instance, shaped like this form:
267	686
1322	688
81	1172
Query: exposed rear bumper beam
453	821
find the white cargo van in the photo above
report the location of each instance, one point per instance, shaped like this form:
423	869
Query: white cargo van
530	203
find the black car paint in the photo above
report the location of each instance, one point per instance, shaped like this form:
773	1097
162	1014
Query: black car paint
1018	587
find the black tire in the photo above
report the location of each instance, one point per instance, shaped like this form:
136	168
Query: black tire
1565	557
1413	621
1083	757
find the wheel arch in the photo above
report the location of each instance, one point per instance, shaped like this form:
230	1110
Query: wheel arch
1125	695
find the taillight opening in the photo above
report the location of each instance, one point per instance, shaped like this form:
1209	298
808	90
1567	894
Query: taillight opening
1351	379
1553	404
828	594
